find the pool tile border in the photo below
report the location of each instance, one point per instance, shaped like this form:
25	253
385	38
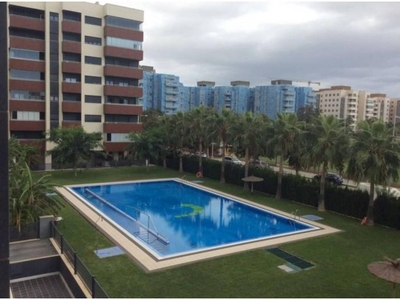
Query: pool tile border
149	264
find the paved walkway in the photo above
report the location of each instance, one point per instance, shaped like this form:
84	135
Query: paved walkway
31	249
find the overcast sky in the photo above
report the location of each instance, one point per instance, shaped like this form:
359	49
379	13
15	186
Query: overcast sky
334	43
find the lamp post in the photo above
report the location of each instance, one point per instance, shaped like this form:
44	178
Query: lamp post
97	234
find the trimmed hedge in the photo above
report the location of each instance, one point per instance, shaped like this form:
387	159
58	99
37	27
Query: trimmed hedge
353	203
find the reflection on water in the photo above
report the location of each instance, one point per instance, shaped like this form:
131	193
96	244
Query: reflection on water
190	218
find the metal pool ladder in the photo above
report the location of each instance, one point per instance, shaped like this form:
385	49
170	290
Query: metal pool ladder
154	232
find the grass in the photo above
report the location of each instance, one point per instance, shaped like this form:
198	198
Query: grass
340	259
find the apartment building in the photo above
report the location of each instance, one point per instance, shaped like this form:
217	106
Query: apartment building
375	106
74	63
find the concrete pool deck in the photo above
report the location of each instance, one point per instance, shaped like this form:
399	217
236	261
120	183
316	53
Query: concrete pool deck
149	263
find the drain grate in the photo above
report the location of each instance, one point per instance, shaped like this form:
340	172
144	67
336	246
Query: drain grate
294	260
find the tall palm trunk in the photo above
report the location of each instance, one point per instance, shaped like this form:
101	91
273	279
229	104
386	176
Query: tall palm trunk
200	158
246	169
321	198
370	213
280	174
180	157
222	180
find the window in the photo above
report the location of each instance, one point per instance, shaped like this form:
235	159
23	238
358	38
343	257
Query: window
110	80
93	79
71	97
92	20
27	95
71	57
91	40
71	16
70	77
93	60
71	116
117	137
27	33
92	99
27	115
122	100
27	135
73	37
124	62
121	118
122	22
93	118
123	43
28	75
26	54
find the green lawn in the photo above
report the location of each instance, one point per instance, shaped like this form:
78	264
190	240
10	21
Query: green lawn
341	259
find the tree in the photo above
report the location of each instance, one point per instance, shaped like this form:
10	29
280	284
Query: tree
30	199
201	131
286	134
73	144
374	156
307	113
179	127
327	145
146	144
225	123
249	132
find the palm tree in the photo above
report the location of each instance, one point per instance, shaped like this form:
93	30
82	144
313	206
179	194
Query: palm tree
29	199
225	123
327	145
200	129
374	156
249	135
179	127
286	130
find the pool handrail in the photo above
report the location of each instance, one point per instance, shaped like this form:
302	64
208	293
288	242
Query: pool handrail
158	235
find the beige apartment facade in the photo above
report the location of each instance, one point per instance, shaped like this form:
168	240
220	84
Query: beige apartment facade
74	63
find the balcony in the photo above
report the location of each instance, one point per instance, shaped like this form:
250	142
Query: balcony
115	146
71	26
123	33
27	23
71	107
16	125
27	65
121	127
72	87
119	71
27	85
124	53
171	92
71	67
71	123
27	105
26	43
123	91
73	47
122	109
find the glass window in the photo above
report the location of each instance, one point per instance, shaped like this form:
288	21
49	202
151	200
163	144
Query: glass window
27	135
92	99
28	75
122	22
124	62
71	57
26	54
70	36
71	97
93	118
117	137
93	79
71	16
93	60
92	20
91	40
71	77
27	115
27	95
123	43
71	116
27	33
121	118
122	100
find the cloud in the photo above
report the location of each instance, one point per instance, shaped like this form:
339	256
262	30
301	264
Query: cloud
334	43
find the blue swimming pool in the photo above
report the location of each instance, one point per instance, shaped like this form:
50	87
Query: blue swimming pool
170	218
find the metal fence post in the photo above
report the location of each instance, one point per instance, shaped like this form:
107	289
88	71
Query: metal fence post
75	262
62	243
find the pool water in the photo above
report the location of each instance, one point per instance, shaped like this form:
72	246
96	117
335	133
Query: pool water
170	218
